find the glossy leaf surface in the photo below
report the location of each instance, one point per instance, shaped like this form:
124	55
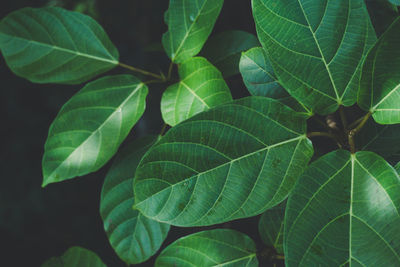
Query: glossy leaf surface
53	45
344	211
260	79
219	247
231	162
91	125
190	22
380	82
270	227
224	50
201	87
75	257
316	48
134	237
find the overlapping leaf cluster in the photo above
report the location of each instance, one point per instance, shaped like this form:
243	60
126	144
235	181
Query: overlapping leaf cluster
226	159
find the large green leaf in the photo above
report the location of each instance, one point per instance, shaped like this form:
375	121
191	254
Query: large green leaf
75	257
219	247
134	237
395	2
231	162
344	211
224	50
260	79
201	87
316	47
380	81
381	139
53	45
382	14
190	22
270	227
398	168
91	125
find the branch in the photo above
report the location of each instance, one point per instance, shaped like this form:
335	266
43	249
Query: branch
159	77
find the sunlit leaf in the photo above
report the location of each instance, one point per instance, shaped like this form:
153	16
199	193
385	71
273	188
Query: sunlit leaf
134	237
91	125
233	161
201	87
344	211
75	257
219	247
270	227
53	45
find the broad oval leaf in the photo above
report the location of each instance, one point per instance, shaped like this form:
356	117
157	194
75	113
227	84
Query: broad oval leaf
260	79
134	237
398	168
381	139
201	87
90	127
380	82
190	22
316	48
231	162
75	257
219	247
53	45
270	227
344	211
224	50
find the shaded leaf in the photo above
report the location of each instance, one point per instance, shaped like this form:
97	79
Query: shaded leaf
201	87
190	22
270	227
344	211
395	2
224	50
53	45
398	168
219	247
90	127
380	82
233	161
316	48
260	79
75	257
382	14
134	237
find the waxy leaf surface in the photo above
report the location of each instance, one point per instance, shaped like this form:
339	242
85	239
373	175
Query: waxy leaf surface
91	125
230	162
53	45
75	257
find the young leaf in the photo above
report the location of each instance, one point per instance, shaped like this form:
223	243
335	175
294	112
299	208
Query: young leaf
233	161
134	237
270	227
190	22
224	50
53	45
75	257
91	125
343	211
381	139
201	87
260	80
380	81
219	247
316	48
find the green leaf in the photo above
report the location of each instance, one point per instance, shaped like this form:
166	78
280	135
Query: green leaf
381	139
75	257
395	2
91	125
398	168
53	45
190	22
233	161
201	87
260	79
316	48
344	211
380	81
270	227
224	50
382	14
219	247
134	237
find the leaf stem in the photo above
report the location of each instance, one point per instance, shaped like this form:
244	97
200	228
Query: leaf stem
163	129
329	135
159	77
353	132
343	117
171	66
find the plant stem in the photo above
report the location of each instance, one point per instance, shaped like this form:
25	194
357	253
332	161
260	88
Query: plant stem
353	132
330	135
159	77
343	117
163	129
355	123
171	66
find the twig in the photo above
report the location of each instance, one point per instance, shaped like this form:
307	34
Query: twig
141	71
343	118
353	132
